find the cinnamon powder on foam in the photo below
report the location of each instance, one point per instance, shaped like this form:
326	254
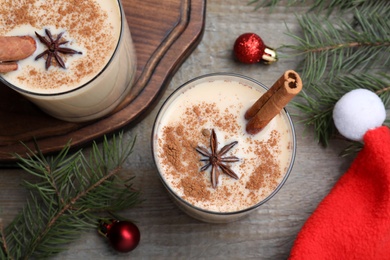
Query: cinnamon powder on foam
182	163
83	20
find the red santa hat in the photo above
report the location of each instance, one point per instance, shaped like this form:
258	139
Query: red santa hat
353	220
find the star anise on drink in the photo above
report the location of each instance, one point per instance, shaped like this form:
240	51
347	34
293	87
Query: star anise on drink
54	49
216	160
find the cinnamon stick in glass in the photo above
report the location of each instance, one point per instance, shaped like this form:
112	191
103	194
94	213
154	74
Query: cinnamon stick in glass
14	48
273	101
8	66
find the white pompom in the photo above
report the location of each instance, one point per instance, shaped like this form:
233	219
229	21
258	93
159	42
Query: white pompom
358	111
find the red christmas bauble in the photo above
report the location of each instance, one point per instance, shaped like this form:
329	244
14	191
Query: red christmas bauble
124	236
250	48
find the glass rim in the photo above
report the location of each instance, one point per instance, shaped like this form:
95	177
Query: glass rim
173	193
32	93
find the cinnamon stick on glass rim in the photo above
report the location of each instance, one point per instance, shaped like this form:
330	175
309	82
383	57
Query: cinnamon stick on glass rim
273	101
14	48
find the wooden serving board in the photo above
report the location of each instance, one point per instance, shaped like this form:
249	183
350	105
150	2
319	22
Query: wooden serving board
164	34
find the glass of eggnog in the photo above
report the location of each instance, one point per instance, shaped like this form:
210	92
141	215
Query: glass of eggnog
85	62
212	168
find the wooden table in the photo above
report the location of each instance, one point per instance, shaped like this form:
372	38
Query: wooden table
166	231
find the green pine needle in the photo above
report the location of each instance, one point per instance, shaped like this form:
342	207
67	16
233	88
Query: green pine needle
70	194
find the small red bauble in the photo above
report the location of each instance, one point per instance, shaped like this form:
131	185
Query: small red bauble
250	48
124	236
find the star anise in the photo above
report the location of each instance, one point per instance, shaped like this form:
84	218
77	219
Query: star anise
216	160
54	49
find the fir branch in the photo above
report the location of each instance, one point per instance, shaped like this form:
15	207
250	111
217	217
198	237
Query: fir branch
331	47
352	148
317	5
68	197
317	106
337	56
3	242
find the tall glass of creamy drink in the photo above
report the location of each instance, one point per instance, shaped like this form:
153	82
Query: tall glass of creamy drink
212	168
92	67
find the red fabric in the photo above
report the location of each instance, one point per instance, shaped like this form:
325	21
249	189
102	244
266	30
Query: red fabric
353	220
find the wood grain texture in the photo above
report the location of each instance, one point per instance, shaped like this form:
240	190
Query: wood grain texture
167	232
164	34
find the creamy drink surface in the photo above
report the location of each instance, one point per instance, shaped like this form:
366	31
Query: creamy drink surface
91	27
187	122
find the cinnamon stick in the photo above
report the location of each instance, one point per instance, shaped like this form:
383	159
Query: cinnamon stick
273	101
14	48
8	66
